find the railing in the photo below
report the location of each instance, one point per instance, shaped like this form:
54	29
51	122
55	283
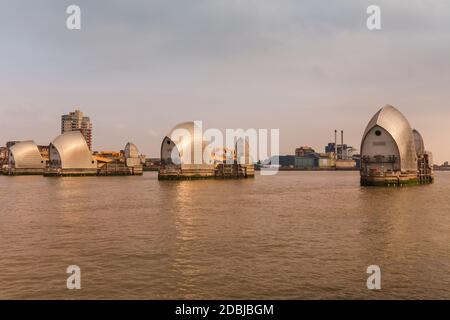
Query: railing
379	159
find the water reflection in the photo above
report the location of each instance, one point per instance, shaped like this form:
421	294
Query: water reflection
296	235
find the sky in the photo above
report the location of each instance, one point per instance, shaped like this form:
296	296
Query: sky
138	68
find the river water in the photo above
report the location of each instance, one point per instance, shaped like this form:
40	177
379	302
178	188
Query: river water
296	235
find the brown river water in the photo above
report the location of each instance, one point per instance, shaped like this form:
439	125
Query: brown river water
296	235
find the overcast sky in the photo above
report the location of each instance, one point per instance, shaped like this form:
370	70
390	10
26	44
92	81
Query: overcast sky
138	68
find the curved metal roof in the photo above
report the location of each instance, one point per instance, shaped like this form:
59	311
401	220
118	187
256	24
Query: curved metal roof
188	140
187	137
131	151
73	151
394	122
418	142
26	155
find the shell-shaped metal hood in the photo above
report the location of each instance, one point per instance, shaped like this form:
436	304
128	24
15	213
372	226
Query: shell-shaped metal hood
188	139
418	142
395	123
26	155
131	151
73	151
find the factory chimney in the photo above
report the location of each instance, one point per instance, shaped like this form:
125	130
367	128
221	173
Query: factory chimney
335	145
342	144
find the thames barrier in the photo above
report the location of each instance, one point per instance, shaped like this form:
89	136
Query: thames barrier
392	153
177	158
69	155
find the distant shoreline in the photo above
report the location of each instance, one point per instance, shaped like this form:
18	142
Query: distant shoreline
442	169
314	169
311	169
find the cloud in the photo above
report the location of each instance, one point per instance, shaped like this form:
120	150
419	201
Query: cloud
301	66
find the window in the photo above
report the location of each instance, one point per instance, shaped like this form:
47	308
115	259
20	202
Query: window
378	133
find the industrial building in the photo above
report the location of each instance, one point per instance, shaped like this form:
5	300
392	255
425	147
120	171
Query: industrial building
307	161
342	154
302	151
70	156
283	162
340	151
179	160
392	154
24	159
306	158
326	161
336	157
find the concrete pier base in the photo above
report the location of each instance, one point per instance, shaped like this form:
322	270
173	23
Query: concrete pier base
70	173
232	171
23	172
395	181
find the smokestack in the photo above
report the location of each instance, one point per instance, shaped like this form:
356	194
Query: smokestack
335	144
342	144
